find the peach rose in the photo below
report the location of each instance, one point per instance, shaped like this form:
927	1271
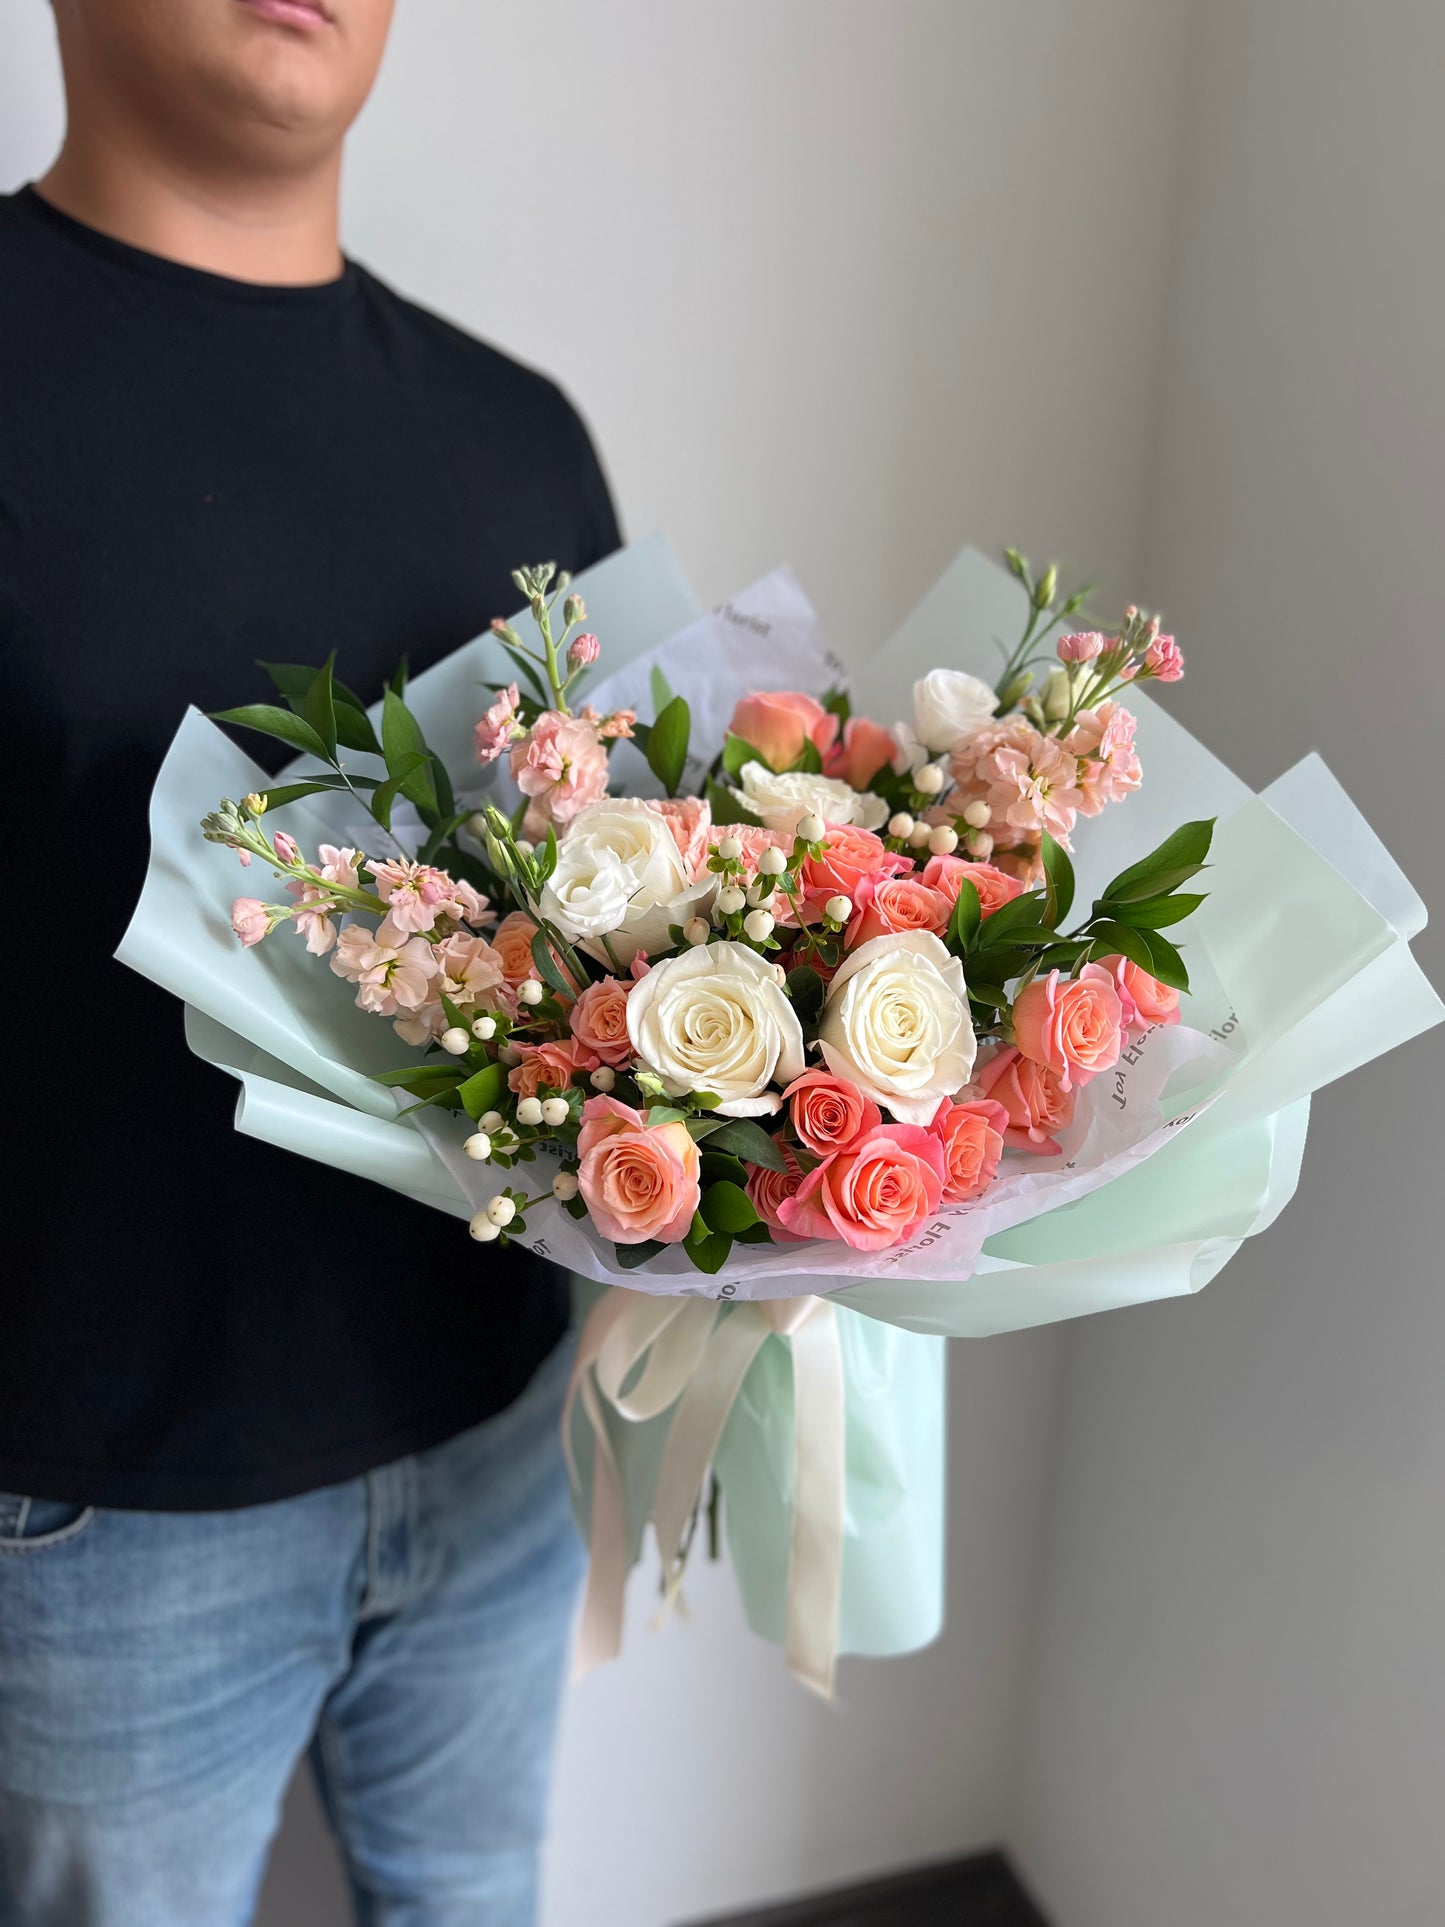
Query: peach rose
830	1114
1034	1098
638	1181
995	887
552	1065
1146	1002
599	1021
972	1135
512	940
865	749
886	905
849	854
1073	1025
873	1196
778	722
767	1190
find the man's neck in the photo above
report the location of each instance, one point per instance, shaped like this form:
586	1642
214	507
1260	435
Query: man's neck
281	230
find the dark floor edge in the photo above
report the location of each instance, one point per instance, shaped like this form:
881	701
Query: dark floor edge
980	1891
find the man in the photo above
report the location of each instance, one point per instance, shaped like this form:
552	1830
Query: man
278	1465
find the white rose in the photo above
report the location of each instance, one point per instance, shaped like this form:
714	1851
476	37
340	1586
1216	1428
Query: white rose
949	706
620	881
716	1019
780	802
590	890
896	1024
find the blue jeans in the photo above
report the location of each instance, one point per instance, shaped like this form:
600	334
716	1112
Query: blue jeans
162	1673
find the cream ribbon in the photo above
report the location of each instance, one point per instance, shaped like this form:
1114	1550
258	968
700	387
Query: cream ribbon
695	1354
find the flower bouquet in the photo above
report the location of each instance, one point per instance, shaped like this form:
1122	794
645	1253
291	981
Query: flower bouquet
774	1003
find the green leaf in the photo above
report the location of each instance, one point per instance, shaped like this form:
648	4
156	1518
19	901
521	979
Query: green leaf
838	703
285	793
727	1207
1154	913
1168	965
736	752
720	1165
402	745
483	1090
432	847
283	724
386	793
529	672
963	925
547	861
548	968
421	1080
806	989
661	692
293	679
446	802
810	759
1059	887
1118	940
665	1114
1024	913
1177	858
399	675
353	725
633	1257
726	808
320	709
710	1254
667	744
748	1141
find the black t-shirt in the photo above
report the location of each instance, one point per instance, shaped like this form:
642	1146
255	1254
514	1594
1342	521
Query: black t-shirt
196	473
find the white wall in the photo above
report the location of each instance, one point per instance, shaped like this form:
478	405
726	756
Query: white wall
1239	1695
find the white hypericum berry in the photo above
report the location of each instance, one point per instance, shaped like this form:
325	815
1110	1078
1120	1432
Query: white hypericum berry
730	901
529	1110
730	848
812	829
697	930
977	814
918	836
483	1230
484	1029
928	780
838	908
501	1210
491	1121
554	1110
478	1146
759	924
530	992
603	1078
900	825
772	862
564	1186
943	840
455	1040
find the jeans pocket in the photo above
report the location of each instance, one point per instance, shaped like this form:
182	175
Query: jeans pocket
34	1525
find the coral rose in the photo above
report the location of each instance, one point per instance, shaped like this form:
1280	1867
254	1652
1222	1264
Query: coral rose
638	1181
873	1196
1074	1026
512	941
779	722
886	905
866	748
550	1066
599	1021
849	854
994	886
1034	1098
1145	1001
830	1114
767	1190
972	1135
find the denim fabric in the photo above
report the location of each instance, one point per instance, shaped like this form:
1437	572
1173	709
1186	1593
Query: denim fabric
162	1673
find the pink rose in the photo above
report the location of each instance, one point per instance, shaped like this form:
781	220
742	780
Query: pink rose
599	1022
884	906
554	1064
830	1114
848	855
638	1181
778	722
497	728
1034	1099
560	765
972	1135
865	749
995	887
767	1191
1073	1026
250	919
1144	1000
873	1196
690	820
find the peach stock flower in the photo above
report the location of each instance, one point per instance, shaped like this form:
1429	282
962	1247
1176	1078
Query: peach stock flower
779	722
553	1064
1145	1001
560	766
417	894
690	820
599	1022
875	1195
250	919
1109	769
972	1135
995	887
638	1181
1033	1098
1029	781
866	747
392	971
767	1190
1072	1026
830	1114
885	905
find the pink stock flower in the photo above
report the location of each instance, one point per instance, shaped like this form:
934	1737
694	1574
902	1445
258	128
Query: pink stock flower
583	650
618	724
767	1190
553	1064
884	906
828	1113
1164	659
874	1195
469	975
1144	1000
1034	1099
638	1181
1072	1026
972	1135
1083	647
1109	769
866	748
753	840
287	848
416	894
1028	780
599	1022
392	972
779	722
994	886
250	919
317	925
497	728
690	820
560	765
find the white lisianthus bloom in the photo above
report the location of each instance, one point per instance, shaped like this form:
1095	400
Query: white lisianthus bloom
949	706
780	802
896	1024
620	881
716	1019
